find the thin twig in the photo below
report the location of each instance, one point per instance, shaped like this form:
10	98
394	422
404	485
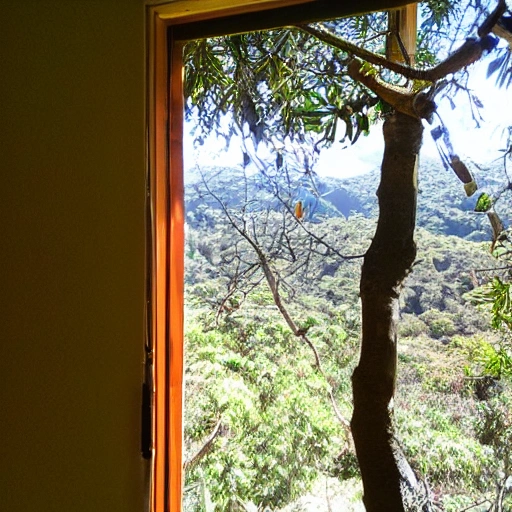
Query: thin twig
508	267
477	504
273	284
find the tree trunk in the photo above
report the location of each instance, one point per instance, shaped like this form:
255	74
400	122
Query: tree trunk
388	260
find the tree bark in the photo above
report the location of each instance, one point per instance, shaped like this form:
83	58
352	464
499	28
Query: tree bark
386	264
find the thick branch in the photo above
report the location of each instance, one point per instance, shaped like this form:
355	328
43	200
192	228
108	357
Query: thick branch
412	103
503	33
384	469
491	21
467	54
342	44
409	102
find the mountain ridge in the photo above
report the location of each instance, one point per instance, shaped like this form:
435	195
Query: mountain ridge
443	207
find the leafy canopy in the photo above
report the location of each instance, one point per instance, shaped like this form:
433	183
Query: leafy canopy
285	84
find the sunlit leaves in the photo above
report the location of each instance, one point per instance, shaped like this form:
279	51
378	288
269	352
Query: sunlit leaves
484	203
435	13
498	295
278	84
495	360
207	86
254	376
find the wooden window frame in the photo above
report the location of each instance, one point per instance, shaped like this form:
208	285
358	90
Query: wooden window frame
168	26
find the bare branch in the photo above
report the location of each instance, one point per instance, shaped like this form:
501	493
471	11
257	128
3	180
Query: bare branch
306	229
273	284
207	446
493	269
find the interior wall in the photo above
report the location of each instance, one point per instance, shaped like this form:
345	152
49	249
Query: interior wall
72	254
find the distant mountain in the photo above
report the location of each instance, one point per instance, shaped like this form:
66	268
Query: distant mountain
443	207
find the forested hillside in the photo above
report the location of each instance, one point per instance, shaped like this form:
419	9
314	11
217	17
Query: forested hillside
266	408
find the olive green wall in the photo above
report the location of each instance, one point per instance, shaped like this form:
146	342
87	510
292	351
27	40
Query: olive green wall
72	254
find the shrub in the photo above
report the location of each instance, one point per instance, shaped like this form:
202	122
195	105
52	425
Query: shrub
411	326
443	453
493	427
437	434
495	360
439	324
278	428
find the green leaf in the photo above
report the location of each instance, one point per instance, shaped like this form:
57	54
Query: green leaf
368	70
484	203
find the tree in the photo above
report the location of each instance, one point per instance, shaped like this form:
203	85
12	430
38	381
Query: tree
286	84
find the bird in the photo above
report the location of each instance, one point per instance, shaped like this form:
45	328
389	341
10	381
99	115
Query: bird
299	211
307	205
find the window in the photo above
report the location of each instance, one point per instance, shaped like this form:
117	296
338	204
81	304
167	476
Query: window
168	27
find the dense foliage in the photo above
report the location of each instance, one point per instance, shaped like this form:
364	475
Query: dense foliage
246	372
